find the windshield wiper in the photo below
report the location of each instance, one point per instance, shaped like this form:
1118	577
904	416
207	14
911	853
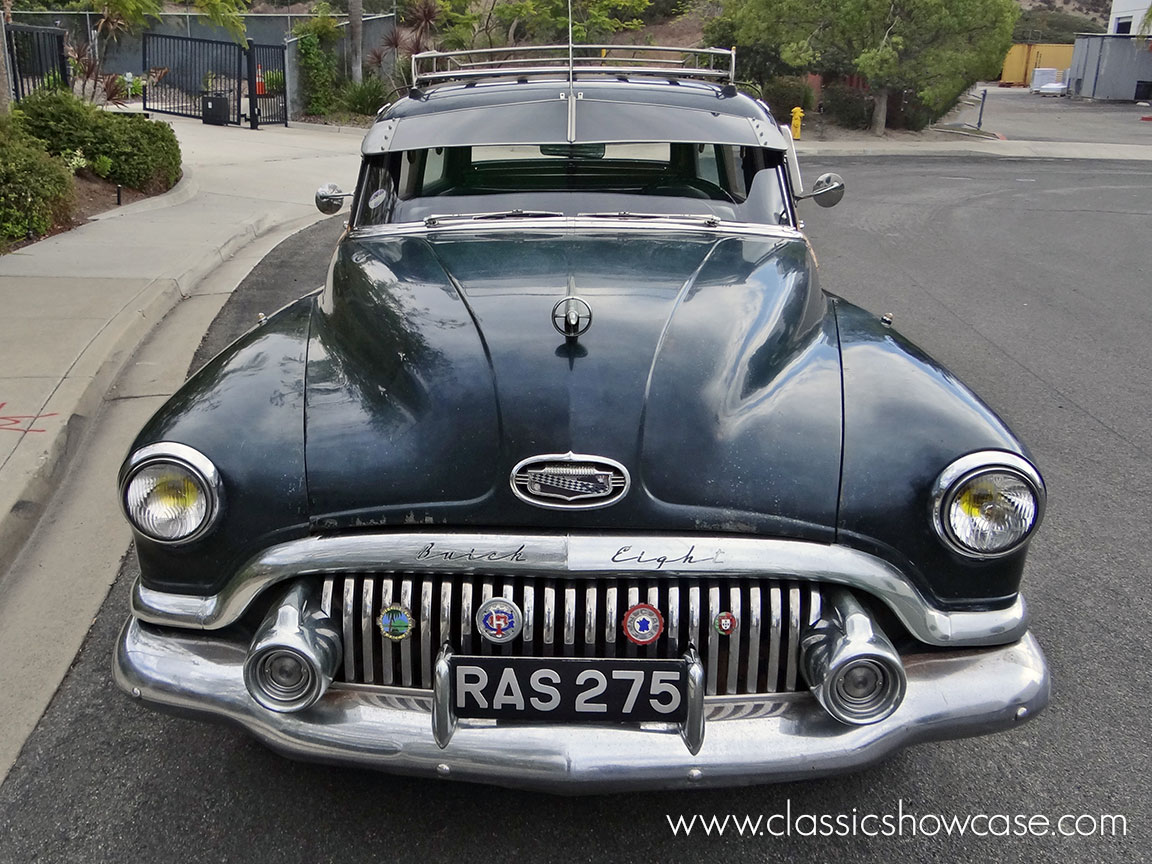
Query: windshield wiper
430	221
706	219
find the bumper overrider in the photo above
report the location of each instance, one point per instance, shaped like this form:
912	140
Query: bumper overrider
864	699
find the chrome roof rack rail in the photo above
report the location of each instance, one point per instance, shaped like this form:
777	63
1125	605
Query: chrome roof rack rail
574	62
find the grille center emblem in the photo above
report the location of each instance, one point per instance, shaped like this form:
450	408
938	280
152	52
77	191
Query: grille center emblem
570	481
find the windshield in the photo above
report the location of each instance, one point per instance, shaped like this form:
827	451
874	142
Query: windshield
724	181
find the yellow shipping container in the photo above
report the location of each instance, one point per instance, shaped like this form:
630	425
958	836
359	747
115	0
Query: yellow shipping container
1022	59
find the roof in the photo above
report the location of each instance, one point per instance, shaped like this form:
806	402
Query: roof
536	109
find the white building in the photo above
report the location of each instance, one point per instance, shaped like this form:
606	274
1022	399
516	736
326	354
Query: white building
1127	15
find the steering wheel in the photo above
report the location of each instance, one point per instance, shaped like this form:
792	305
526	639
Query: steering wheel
690	187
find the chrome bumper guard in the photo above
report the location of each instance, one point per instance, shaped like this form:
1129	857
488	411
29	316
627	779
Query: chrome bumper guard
745	740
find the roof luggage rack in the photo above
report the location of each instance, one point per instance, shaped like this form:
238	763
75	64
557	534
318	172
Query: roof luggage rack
574	62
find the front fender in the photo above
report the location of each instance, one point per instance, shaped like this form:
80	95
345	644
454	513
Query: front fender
906	418
245	411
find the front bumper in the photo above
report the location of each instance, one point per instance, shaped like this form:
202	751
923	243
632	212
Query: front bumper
747	739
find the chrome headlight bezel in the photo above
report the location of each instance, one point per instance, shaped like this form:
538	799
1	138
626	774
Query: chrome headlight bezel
966	468
187	458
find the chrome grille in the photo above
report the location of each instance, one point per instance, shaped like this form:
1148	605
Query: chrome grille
576	618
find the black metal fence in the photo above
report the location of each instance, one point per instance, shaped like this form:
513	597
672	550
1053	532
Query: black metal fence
36	58
266	66
221	82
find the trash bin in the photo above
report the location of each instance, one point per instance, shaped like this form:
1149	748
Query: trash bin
215	108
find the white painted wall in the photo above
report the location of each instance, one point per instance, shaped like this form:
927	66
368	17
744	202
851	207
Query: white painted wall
1134	9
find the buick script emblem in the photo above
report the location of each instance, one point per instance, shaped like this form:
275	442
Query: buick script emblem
570	481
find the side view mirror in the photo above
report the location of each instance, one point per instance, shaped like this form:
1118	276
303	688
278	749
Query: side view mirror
826	191
329	199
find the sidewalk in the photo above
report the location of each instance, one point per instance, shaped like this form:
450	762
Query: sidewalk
76	306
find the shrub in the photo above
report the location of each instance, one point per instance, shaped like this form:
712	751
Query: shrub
35	189
317	76
144	154
102	166
63	122
785	92
321	24
274	82
365	98
847	106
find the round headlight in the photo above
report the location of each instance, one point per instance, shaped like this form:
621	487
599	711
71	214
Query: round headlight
988	504
170	492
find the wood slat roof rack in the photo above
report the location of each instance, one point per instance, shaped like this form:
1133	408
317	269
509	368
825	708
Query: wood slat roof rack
575	62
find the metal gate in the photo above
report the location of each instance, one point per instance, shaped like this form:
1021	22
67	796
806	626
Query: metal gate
37	59
219	82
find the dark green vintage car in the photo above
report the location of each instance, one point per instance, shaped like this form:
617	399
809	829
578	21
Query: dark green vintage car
571	477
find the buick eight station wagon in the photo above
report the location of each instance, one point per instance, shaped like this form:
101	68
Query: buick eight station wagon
571	477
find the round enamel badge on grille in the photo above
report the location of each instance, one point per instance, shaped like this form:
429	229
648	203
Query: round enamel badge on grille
643	624
396	622
499	620
726	623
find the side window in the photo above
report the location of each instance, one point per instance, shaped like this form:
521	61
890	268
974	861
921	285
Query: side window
434	167
733	168
706	166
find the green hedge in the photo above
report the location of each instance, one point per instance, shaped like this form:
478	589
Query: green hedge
847	106
144	154
35	189
785	92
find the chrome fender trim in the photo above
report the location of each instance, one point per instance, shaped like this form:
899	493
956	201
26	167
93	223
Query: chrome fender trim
574	556
950	695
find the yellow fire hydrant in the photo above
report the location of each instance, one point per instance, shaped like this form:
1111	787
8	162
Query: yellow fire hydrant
797	116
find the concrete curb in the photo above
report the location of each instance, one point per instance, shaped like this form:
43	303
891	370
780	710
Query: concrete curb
84	387
185	189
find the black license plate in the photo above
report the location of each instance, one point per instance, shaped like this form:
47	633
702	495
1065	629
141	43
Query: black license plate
567	690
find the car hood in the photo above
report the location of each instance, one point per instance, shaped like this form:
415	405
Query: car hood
710	371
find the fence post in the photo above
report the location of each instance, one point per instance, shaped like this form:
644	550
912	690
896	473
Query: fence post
147	69
253	104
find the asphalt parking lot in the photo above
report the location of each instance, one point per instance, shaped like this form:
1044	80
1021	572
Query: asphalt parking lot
1020	115
1027	279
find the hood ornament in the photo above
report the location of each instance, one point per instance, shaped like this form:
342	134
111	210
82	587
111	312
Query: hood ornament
570	481
572	317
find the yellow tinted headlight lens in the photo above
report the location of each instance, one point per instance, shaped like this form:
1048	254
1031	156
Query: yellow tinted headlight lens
991	513
167	501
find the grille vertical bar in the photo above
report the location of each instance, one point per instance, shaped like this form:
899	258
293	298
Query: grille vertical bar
590	597
753	630
349	628
366	639
793	638
713	651
577	619
732	684
386	653
406	645
569	618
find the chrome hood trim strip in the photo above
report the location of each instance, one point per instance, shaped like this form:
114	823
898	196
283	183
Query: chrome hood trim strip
584	555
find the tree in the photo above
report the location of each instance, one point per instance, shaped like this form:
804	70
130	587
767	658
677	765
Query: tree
356	37
936	48
496	23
